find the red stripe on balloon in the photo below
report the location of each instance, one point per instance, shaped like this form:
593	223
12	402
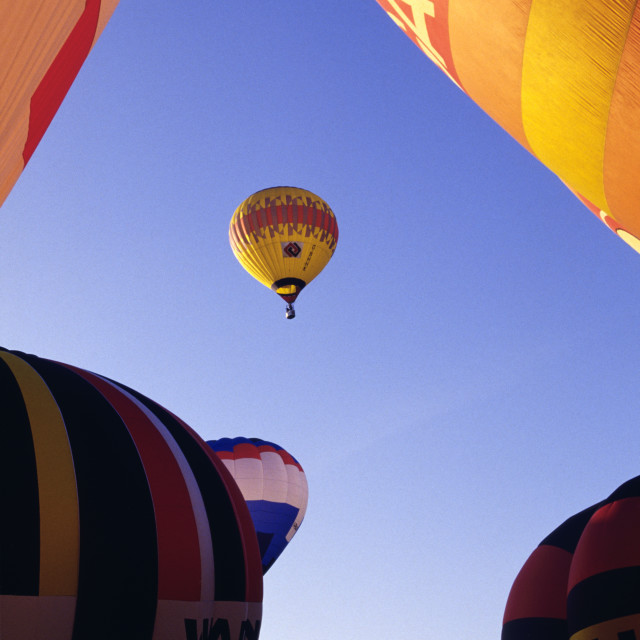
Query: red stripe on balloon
540	589
253	559
56	82
179	566
245	450
225	455
609	541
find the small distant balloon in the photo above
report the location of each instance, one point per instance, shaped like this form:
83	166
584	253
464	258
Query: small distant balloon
284	237
582	582
274	487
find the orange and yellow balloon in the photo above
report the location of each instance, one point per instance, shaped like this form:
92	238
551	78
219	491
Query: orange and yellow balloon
284	237
43	44
561	76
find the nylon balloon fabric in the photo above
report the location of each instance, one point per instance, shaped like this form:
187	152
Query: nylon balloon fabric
562	78
583	581
43	45
274	487
118	520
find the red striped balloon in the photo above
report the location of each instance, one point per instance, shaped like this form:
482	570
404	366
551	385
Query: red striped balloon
583	580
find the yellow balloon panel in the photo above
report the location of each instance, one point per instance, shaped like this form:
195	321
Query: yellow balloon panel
43	44
617	629
563	78
284	237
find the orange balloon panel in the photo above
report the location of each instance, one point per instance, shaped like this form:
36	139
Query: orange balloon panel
563	78
43	44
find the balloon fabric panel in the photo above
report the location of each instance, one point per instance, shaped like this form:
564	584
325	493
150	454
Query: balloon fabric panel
57	496
561	77
566	121
182	555
118	568
19	570
233	547
622	148
273	521
155	510
43	44
590	567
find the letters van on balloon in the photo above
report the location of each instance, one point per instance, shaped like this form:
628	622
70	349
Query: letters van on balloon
561	77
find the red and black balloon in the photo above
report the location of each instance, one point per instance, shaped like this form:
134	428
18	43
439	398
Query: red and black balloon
582	582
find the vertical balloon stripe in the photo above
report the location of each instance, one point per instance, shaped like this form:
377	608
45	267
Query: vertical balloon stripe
118	572
622	148
19	503
274	477
30	36
57	494
487	41
48	97
540	589
571	56
180	574
235	550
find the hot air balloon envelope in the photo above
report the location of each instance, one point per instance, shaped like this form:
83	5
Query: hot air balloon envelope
561	77
583	581
43	44
274	487
118	520
284	237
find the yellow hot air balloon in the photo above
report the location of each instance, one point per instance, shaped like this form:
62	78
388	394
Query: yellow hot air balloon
284	237
561	76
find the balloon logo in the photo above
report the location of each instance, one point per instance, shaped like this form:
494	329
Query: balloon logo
274	487
284	237
582	582
561	77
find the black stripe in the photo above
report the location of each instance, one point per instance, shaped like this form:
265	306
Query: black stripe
605	596
566	536
285	282
19	502
118	573
228	551
629	489
535	629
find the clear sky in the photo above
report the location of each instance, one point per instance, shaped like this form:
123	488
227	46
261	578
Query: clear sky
461	378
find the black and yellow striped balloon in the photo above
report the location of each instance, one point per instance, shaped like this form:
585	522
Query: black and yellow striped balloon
118	521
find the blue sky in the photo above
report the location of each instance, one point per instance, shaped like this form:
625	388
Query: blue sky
460	379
